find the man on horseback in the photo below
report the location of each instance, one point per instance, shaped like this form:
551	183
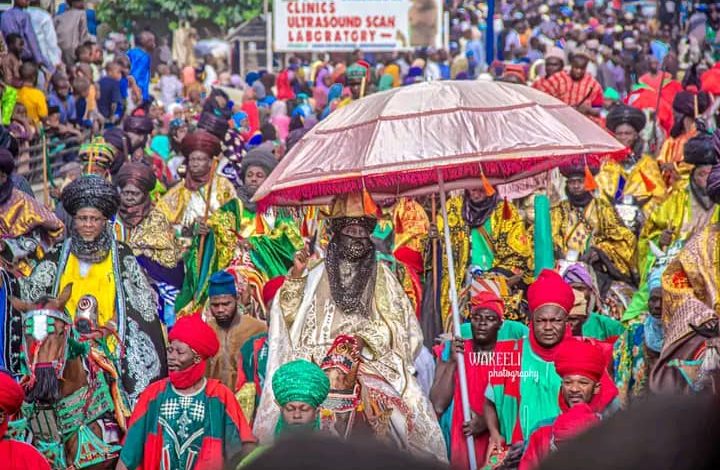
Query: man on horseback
97	264
350	293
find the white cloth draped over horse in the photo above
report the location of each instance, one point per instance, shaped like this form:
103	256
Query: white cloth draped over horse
304	321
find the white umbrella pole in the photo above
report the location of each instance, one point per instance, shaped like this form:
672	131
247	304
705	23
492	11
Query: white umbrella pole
472	459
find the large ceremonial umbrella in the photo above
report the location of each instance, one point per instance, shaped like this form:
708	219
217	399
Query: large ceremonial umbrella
433	137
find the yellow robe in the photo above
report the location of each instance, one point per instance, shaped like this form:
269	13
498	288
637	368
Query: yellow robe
183	207
98	281
681	213
599	226
411	226
635	184
673	151
509	241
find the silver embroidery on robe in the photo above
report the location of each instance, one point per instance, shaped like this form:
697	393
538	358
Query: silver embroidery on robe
138	290
40	282
143	362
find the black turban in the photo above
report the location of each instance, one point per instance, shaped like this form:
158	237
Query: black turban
90	191
203	141
138	125
684	103
577	169
700	150
137	174
117	138
216	125
258	157
713	184
621	114
339	223
7	161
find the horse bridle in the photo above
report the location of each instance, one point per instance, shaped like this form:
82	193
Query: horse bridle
59	364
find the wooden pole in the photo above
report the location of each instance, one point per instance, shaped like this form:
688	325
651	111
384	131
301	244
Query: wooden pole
460	357
434	254
208	200
46	178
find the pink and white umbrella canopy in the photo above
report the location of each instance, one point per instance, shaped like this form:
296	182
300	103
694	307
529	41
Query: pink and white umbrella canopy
397	142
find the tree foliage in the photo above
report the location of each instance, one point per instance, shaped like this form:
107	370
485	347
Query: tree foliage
225	14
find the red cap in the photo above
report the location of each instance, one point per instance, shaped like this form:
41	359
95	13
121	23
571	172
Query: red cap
576	356
550	289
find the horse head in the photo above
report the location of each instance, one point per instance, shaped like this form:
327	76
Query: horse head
341	363
46	327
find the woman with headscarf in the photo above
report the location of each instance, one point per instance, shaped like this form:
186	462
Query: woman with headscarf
323	80
147	231
97	265
280	119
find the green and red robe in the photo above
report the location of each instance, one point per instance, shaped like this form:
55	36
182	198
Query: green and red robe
524	389
169	430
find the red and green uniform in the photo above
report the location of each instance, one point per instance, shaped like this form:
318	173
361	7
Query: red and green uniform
169	430
524	389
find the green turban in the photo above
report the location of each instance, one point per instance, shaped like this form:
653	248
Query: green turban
301	381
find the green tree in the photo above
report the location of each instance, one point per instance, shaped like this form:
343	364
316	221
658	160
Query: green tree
223	13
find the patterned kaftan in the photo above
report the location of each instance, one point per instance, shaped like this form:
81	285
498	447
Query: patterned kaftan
182	419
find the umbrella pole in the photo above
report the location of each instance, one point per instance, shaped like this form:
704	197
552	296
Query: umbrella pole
472	459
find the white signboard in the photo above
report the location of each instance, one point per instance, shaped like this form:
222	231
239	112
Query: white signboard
346	25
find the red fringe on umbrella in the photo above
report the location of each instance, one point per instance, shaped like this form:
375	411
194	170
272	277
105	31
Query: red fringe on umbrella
390	182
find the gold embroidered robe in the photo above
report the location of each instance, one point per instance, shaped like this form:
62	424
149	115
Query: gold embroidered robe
153	238
183	207
680	212
304	323
691	296
598	226
508	239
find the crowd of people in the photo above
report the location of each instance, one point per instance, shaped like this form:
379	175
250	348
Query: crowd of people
153	315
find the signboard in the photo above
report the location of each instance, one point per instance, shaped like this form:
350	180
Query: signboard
346	25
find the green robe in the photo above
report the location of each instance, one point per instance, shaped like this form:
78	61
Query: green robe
525	390
602	327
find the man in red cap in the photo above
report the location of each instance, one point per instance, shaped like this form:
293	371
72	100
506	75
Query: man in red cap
15	455
186	421
587	393
523	389
487	325
546	439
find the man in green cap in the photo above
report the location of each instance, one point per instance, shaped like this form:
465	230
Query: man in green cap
300	387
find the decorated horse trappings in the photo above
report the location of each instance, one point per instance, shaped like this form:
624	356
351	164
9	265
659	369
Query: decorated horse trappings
361	402
73	412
